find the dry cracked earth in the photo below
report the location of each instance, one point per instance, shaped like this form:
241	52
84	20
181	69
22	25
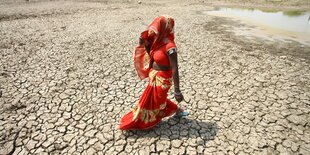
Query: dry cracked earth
67	77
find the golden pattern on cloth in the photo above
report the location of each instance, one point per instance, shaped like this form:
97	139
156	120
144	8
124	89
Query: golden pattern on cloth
146	61
148	116
159	81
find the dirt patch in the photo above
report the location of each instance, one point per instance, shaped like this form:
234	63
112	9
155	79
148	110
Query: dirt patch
223	27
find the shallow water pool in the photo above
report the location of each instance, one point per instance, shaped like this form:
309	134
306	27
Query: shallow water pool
290	22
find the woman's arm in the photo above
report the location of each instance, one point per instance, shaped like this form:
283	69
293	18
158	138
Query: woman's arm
173	58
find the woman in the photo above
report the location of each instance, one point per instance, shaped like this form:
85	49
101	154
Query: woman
155	58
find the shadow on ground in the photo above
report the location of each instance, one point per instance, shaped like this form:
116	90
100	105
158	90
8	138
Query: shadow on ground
178	128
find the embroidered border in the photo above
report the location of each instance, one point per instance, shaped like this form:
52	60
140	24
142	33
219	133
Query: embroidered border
148	116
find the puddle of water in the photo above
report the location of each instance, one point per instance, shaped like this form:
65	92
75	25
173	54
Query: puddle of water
291	24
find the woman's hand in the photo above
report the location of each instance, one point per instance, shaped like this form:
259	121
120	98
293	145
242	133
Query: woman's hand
178	97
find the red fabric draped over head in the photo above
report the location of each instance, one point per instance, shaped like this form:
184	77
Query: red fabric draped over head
160	32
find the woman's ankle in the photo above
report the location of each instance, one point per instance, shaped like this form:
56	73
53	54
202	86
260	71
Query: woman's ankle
180	110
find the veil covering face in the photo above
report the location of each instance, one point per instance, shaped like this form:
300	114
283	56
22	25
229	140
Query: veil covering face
159	33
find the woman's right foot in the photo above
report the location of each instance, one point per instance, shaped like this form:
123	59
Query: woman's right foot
180	113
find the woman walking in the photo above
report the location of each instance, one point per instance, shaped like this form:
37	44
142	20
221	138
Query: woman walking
155	58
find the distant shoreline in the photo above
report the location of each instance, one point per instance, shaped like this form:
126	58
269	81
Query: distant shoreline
287	5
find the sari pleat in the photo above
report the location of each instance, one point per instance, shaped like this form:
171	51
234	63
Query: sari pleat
153	105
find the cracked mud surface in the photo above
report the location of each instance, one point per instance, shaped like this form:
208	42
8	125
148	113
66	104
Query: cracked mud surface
66	78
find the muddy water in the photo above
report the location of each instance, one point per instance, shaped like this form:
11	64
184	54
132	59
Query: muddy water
285	25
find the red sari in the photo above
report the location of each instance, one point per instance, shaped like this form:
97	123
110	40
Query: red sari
153	105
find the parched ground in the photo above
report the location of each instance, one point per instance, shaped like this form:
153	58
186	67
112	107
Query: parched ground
66	79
